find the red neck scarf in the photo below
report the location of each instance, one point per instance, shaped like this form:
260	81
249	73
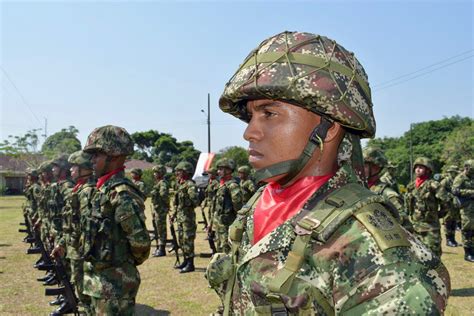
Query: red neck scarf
79	183
419	181
183	179
277	204
101	181
224	179
372	182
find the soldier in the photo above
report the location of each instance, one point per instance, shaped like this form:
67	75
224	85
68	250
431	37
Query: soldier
116	239
137	180
210	192
227	202
246	184
463	188
33	194
422	203
374	163
449	205
314	240
389	176
185	200
160	204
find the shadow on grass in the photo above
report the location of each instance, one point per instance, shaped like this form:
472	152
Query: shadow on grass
149	311
5	245
463	292
200	269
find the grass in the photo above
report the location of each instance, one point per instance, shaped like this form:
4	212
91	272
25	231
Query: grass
163	290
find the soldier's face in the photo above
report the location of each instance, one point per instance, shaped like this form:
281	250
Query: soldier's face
421	171
99	163
277	131
56	171
75	172
135	177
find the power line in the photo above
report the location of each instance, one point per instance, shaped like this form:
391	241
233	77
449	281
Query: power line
20	94
422	74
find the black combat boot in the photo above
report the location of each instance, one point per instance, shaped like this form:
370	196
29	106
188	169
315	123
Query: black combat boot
189	267
451	241
58	301
182	265
469	254
46	277
51	281
160	251
65	308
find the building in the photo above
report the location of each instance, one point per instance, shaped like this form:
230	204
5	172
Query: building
12	175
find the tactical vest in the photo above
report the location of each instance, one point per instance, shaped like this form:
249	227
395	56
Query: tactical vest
327	213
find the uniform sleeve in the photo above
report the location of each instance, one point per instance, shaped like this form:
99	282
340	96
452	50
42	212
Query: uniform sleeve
129	215
236	196
164	192
193	194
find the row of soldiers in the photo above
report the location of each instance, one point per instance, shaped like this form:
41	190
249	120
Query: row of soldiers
90	218
427	200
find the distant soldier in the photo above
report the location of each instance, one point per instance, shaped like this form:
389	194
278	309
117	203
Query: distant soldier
227	202
463	188
185	200
422	204
449	205
116	239
137	174
389	176
374	162
210	192
33	194
247	185
160	207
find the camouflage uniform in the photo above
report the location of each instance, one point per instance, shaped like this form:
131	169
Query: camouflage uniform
247	187
43	208
463	188
115	239
342	253
210	193
185	201
33	194
449	206
389	177
138	183
422	204
160	202
227	202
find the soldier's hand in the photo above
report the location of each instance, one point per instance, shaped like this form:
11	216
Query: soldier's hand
58	251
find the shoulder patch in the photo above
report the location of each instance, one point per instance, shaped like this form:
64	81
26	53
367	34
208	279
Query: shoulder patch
382	226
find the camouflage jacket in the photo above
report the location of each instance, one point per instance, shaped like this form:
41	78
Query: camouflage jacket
59	193
160	196
445	194
43	211
227	202
366	264
115	240
210	193
141	186
463	188
185	200
422	206
33	195
248	189
384	189
390	180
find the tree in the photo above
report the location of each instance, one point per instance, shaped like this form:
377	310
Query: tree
459	145
23	147
237	153
63	142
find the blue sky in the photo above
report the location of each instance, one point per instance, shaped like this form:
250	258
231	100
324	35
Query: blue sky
149	65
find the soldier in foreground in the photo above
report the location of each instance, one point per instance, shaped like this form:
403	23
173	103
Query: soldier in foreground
374	163
185	200
314	240
160	208
137	180
116	239
247	186
449	206
422	203
463	188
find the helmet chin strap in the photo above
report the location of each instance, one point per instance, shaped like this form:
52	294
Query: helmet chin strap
293	167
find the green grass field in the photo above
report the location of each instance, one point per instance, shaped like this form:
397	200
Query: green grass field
163	290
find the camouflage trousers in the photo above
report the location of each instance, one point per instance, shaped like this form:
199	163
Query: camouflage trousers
222	237
77	278
467	225
186	223
113	306
159	220
450	220
432	240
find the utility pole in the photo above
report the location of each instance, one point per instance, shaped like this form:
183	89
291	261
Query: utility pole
45	128
411	154
208	122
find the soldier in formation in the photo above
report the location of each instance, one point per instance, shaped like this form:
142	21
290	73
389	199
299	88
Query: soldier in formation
449	206
160	208
137	174
210	193
185	201
314	240
463	189
246	184
115	239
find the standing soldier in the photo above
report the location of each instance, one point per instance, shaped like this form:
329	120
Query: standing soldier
137	180
116	239
33	194
246	184
160	204
374	162
421	202
227	202
210	192
449	205
389	176
185	200
463	188
314	240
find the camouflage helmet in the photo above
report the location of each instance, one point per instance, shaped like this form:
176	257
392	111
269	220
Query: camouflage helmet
111	140
45	166
244	169
307	70
61	162
226	163
159	169
469	163
423	161
212	171
81	159
452	168
31	172
185	166
375	156
137	171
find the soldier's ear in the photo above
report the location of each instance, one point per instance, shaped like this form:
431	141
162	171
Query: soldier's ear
335	133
